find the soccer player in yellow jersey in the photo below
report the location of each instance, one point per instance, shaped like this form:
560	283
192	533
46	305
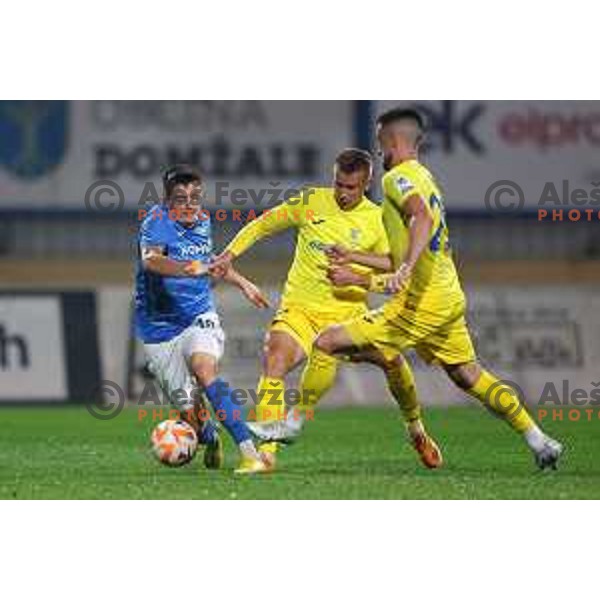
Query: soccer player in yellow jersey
315	297
427	310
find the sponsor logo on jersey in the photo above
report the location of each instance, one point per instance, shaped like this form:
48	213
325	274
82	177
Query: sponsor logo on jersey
404	185
318	245
195	250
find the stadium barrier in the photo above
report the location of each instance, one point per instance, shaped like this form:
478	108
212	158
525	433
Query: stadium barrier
49	350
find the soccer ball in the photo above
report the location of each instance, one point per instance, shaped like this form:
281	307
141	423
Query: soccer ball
174	443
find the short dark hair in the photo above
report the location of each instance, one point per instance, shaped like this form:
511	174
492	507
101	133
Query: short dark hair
402	113
351	160
179	174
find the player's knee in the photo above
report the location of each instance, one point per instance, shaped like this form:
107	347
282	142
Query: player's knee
281	354
325	342
465	376
205	372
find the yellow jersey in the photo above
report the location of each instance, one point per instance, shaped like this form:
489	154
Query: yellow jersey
434	282
320	223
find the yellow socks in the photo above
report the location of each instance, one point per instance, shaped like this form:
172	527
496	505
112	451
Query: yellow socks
402	386
317	378
503	400
270	393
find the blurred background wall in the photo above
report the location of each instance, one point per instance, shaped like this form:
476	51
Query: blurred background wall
75	174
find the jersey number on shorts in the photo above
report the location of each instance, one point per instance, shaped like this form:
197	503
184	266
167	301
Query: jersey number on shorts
205	323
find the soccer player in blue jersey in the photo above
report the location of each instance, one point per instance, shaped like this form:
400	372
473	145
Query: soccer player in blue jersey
176	317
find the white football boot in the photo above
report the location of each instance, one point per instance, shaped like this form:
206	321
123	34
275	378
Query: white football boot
548	455
282	431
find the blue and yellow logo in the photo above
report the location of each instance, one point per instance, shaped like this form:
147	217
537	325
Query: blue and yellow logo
33	136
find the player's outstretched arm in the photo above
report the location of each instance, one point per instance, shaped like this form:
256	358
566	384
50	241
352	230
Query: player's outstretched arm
155	261
270	222
338	256
252	292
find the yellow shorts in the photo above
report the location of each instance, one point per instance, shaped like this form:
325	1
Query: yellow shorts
304	324
438	337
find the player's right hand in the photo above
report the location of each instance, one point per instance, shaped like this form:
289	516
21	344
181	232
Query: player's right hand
341	276
338	255
220	264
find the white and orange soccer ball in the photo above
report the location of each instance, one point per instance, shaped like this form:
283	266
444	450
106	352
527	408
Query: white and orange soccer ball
174	442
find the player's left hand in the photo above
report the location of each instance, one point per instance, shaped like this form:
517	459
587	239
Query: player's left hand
255	295
194	268
399	279
341	276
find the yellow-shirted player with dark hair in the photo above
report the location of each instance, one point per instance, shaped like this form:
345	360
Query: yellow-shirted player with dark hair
427	310
315	297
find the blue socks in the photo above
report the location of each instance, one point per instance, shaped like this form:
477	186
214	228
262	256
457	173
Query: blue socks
219	395
208	433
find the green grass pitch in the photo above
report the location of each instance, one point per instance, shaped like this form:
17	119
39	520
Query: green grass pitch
346	453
